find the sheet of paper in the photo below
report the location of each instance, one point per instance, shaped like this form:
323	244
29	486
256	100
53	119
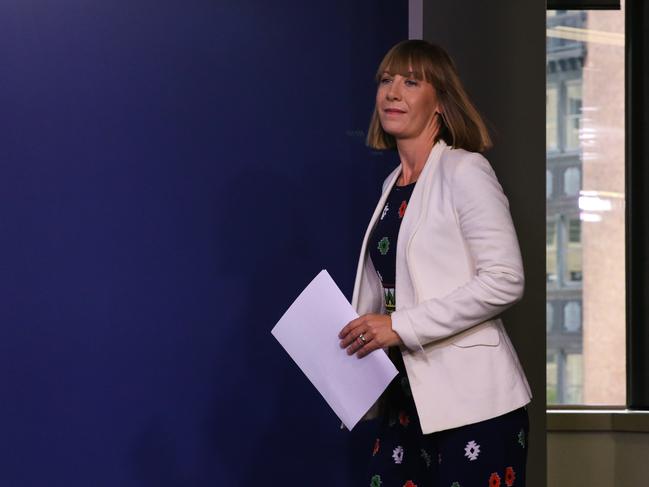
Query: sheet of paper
308	331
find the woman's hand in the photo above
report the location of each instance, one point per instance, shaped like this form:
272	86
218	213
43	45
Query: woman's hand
377	331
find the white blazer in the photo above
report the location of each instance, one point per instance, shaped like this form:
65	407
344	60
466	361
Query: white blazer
458	266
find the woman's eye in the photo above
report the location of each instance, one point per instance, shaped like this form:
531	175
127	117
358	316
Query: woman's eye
383	80
411	82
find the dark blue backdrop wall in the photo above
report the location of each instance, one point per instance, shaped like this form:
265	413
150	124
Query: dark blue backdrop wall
172	174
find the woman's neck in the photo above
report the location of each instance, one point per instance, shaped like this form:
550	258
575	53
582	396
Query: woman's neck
413	154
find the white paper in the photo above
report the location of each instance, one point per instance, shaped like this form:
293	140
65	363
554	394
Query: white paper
308	331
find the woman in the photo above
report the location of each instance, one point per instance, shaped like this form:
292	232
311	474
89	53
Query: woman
455	415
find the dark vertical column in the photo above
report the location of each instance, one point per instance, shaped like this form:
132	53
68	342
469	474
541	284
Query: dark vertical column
637	182
500	52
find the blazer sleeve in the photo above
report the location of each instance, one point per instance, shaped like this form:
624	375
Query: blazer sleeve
482	213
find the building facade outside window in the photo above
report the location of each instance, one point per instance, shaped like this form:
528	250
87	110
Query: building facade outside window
585	261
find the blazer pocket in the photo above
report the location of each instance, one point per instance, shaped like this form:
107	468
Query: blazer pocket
487	336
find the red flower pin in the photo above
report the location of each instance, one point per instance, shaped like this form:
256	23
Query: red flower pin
510	476
494	480
404	419
377	444
402	209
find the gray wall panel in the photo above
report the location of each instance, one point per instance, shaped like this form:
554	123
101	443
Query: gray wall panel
499	48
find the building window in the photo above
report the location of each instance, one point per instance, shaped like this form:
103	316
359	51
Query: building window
552	376
572	124
573	251
574	373
551	251
571	181
572	316
551	116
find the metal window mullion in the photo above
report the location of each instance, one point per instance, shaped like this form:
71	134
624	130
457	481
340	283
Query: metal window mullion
637	208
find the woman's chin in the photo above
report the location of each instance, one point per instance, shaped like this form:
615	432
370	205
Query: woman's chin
394	132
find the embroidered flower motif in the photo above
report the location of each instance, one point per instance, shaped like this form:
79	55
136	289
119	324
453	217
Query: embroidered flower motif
384	245
425	455
521	437
376	481
402	209
494	480
397	454
472	450
385	210
456	484
409	483
510	476
377	445
404	419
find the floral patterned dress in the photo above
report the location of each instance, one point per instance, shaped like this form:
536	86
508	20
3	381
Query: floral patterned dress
491	453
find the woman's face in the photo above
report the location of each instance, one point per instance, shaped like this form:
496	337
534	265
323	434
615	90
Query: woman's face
407	106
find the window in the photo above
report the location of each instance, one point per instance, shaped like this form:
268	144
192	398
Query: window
551	251
573	251
551	109
573	114
552	374
574	373
585	200
572	316
571	181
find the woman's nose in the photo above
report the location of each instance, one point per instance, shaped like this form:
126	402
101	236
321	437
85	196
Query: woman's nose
394	91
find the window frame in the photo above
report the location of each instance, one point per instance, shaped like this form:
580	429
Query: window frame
583	5
637	212
637	202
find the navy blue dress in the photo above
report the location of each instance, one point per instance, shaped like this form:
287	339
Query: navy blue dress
490	453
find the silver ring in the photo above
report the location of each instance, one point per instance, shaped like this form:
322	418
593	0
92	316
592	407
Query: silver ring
362	338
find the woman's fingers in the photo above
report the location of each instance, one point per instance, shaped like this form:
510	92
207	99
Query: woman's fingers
361	341
368	348
350	326
352	331
354	346
376	331
353	341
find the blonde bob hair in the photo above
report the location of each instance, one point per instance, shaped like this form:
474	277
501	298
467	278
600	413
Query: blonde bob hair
461	126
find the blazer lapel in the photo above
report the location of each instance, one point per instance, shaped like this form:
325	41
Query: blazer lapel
413	213
420	194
